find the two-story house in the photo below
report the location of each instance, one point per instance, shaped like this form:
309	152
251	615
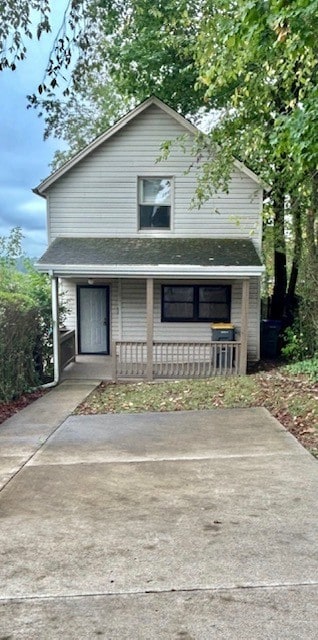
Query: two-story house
146	274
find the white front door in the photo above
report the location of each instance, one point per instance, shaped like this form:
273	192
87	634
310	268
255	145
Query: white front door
93	306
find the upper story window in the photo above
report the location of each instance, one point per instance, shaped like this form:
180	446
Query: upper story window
154	203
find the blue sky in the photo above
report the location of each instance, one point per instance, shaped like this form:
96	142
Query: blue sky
24	156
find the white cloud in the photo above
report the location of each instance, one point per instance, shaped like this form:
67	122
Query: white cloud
31	206
34	243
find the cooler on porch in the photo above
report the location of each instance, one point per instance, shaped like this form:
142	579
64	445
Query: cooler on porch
223	332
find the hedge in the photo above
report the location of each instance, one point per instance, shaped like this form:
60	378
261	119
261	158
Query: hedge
19	334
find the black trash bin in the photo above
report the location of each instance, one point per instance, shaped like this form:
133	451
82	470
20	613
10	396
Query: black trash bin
270	330
223	332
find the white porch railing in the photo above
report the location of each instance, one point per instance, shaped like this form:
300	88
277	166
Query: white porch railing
176	359
129	359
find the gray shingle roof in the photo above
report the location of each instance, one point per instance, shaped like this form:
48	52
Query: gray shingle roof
151	251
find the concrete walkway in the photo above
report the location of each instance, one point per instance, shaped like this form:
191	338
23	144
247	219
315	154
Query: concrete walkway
184	526
25	432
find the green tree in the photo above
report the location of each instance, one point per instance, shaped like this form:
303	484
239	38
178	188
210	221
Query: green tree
85	113
25	306
22	20
154	43
257	63
16	27
155	52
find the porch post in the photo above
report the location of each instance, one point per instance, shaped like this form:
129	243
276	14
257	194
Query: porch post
56	332
114	362
244	324
149	311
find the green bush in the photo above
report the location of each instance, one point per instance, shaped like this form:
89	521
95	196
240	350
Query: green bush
295	344
25	321
19	329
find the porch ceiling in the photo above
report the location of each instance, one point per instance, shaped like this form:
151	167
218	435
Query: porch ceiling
153	255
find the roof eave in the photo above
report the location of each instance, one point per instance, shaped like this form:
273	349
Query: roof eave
38	193
151	271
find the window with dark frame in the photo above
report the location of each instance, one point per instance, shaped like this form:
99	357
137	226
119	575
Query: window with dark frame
195	303
154	200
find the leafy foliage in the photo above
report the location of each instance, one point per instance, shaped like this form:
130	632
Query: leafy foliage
16	25
295	347
21	20
82	115
155	43
19	328
25	320
307	367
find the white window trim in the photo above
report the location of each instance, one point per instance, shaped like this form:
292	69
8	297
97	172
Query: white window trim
155	231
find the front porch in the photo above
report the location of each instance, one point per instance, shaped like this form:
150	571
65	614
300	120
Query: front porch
154	358
171	360
150	302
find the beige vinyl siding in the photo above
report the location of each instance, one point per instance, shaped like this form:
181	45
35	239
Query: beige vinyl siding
67	293
133	315
133	320
98	197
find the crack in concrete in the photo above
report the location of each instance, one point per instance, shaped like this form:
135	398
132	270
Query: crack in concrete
96	460
5	484
147	592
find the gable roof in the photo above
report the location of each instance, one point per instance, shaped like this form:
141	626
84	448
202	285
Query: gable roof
176	257
120	124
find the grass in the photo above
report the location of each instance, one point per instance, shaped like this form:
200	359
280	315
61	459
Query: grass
307	367
289	393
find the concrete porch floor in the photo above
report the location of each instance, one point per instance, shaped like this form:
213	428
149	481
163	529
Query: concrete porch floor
88	367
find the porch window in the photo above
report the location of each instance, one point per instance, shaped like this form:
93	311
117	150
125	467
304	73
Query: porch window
196	303
154	203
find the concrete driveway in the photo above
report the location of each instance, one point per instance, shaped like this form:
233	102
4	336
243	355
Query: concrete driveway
180	526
